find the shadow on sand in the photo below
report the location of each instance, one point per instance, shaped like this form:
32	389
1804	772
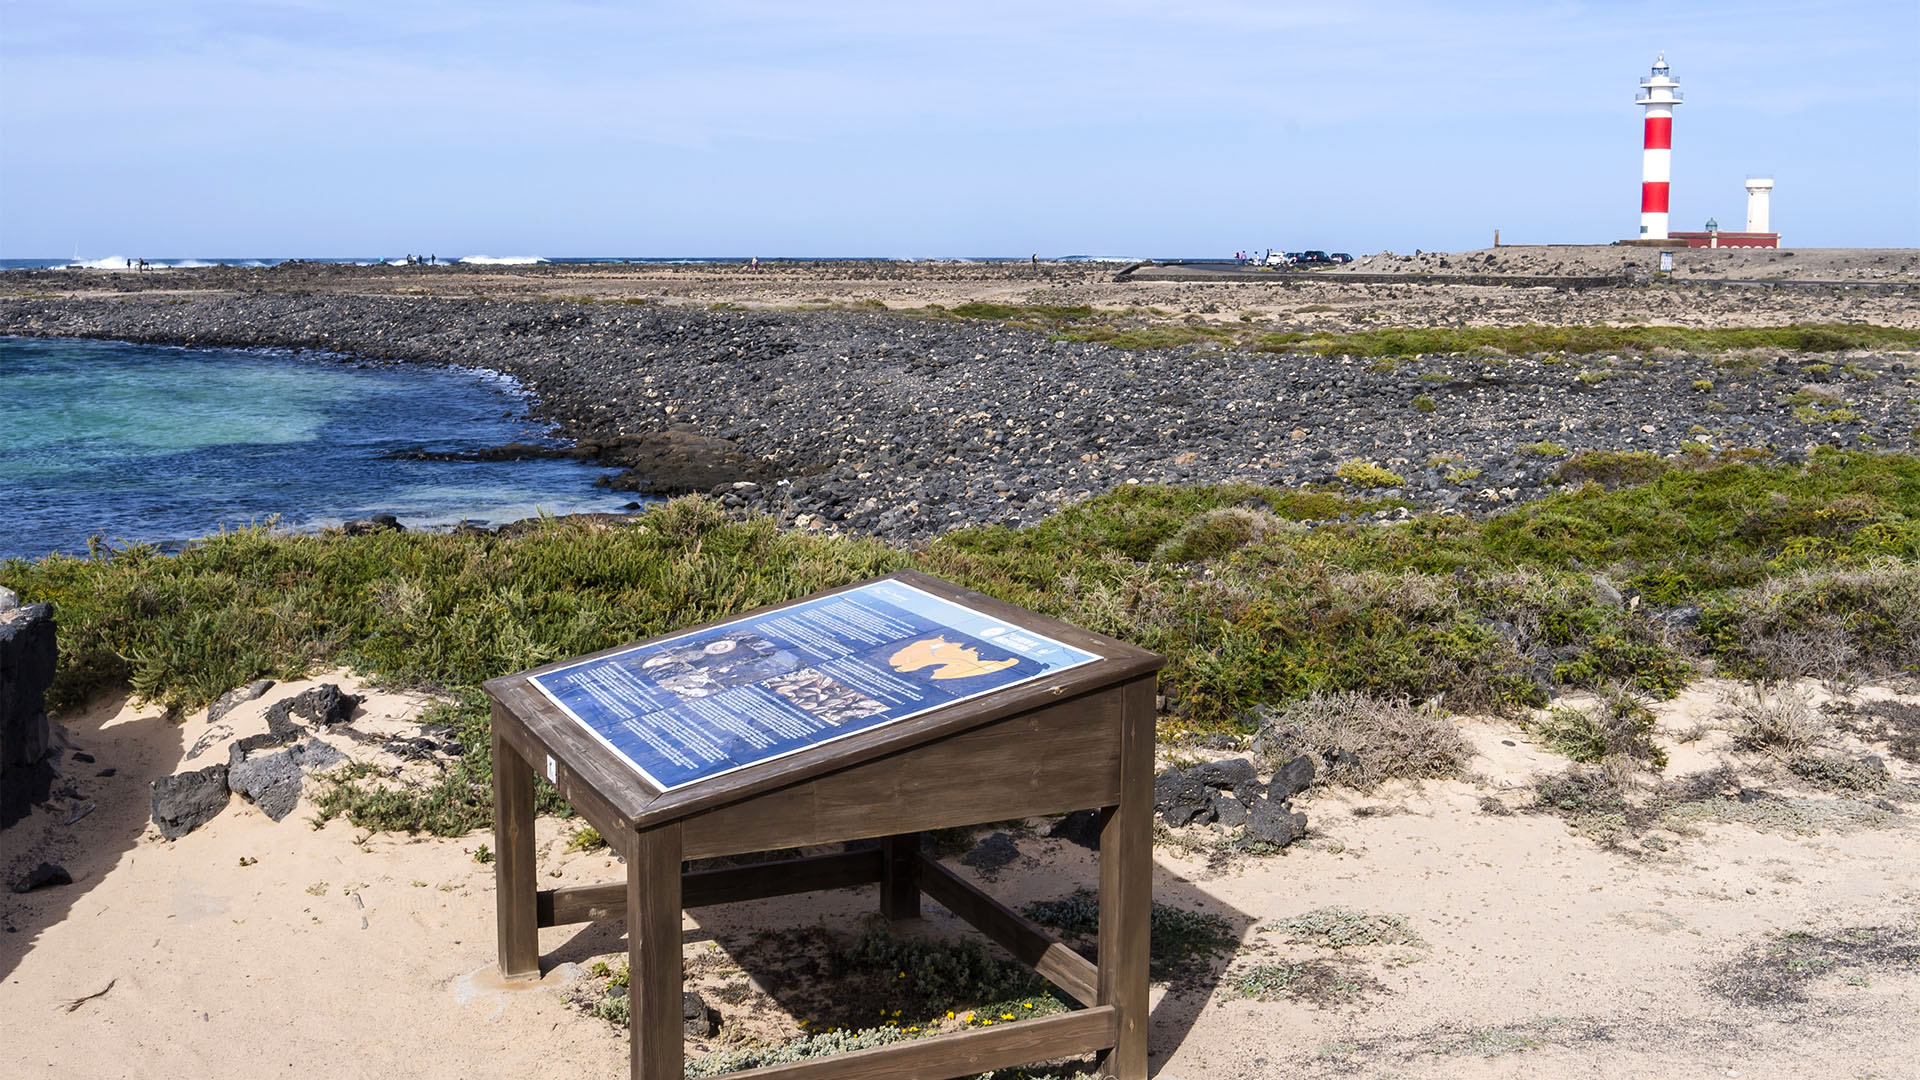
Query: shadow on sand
786	946
97	812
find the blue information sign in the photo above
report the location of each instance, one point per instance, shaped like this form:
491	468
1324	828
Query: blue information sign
703	704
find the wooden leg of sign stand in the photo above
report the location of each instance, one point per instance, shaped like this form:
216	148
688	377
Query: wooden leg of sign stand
1126	888
900	877
513	871
653	954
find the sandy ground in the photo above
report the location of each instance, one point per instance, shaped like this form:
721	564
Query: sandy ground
249	948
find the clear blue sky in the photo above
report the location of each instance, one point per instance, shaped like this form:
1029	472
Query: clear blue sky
179	128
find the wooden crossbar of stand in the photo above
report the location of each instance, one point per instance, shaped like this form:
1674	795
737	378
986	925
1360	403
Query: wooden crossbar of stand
980	1050
701	888
1012	931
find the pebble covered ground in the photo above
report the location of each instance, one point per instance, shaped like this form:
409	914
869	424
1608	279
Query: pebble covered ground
907	427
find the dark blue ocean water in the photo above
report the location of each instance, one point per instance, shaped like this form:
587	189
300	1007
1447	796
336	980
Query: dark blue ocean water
159	444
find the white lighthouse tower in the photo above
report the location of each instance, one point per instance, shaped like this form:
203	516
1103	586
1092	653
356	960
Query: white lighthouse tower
1658	95
1759	191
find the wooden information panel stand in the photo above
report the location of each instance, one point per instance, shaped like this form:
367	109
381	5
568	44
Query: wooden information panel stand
1077	735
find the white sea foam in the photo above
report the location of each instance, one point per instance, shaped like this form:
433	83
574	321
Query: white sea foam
121	262
504	260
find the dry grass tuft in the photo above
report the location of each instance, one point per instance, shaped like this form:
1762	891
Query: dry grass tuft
1835	625
1359	740
1219	532
1782	723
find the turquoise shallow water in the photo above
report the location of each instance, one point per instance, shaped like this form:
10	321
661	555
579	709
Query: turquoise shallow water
158	444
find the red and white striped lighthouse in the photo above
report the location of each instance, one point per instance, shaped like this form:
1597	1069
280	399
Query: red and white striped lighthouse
1658	95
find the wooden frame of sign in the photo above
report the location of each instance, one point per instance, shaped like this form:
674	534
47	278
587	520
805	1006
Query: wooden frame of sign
1082	738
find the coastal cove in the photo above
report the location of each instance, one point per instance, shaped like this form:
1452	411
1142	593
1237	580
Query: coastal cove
1540	664
156	444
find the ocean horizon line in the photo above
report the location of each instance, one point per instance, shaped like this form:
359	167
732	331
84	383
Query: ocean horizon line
172	262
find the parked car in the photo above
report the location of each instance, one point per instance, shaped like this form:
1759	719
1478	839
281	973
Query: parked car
1278	258
1313	258
1341	257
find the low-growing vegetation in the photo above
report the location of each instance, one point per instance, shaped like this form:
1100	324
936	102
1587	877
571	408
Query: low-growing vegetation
1586	340
1618	726
1779	968
876	990
1178	940
1358	741
1794	569
1345	928
1134	328
1781	723
1315	982
1365	475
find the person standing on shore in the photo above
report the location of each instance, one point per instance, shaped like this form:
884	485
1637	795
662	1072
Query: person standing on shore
1036	260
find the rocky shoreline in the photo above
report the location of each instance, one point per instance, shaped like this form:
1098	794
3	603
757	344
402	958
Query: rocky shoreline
908	427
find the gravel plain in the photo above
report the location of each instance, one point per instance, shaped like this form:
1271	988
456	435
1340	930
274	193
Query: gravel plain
905	427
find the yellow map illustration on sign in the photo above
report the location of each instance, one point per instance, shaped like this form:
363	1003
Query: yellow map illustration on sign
956	661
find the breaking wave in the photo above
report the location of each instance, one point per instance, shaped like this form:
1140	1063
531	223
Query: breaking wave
121	262
504	260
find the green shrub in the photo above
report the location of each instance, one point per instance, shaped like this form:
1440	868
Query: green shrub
1810	414
939	975
1543	449
1366	475
1835	623
1618	726
1612	468
1217	532
1424	402
1023	312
